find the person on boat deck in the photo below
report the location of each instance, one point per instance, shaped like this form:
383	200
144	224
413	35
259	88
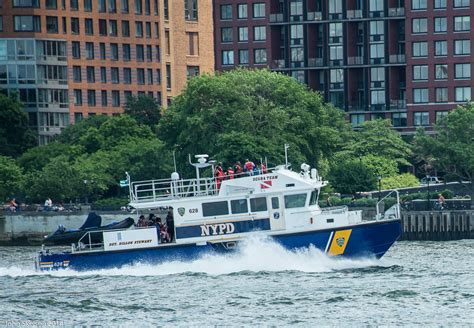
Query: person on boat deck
249	167
164	235
237	168
170	224
141	221
151	220
263	168
230	173
219	174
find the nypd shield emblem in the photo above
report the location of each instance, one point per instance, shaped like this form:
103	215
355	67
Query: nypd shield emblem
276	215
340	241
181	211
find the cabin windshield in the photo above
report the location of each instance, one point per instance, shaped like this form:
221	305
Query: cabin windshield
293	201
314	197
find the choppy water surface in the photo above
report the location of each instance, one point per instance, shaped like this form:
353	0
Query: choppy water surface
416	283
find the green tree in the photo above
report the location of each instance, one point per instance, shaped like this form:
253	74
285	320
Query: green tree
15	135
404	180
452	148
243	113
379	139
10	178
144	109
37	157
351	176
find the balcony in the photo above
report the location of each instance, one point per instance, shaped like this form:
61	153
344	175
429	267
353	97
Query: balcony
398	104
314	16
396	12
354	14
315	62
279	63
276	18
397	59
355	61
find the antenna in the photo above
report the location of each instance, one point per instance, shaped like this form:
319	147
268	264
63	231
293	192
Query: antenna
286	155
174	160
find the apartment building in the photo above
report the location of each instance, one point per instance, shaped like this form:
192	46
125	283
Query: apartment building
69	59
407	61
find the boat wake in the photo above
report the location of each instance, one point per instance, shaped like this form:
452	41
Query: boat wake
255	254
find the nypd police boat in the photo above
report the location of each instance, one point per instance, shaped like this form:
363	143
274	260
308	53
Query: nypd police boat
214	216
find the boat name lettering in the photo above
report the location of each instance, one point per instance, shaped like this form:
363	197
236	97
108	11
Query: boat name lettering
217	229
130	242
262	178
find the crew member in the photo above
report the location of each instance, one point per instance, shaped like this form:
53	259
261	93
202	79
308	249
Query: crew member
219	175
249	166
230	173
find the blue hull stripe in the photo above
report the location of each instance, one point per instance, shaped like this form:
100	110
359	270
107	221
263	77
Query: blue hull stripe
215	229
372	239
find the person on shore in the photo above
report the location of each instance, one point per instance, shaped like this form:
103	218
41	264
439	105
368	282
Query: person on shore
14	205
48	204
441	201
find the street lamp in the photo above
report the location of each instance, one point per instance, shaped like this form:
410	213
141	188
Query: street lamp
379	179
428	197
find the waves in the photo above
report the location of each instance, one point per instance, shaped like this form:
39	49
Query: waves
255	254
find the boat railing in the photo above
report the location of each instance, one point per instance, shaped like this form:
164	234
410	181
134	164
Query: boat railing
392	211
85	242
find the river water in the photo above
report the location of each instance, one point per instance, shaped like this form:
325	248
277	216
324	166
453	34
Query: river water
416	283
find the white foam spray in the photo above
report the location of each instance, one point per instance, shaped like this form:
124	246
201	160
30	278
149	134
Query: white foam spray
256	253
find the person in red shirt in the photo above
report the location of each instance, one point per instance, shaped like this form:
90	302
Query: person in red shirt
230	173
237	168
249	166
263	168
219	175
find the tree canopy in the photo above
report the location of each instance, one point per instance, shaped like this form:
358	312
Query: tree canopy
144	109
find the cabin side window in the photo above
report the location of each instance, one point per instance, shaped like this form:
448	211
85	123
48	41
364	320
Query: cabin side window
215	208
239	206
293	201
314	197
258	204
275	203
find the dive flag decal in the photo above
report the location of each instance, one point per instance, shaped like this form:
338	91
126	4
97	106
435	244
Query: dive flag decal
265	184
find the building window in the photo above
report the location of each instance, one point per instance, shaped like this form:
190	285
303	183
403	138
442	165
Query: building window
441	48
191	10
103	96
75	25
336	76
440	24
335	6
89	27
113	27
76	74
77	97
125	28
377	74
259	10
74	5
115	98
103	55
149	53
421	119
157	53
168	76
440	4
158	76
27	24
88	5
140	56
103	75
193	49
127	76
139	29
260	56
243	34
441	95
124	6
148	30
420	72
192	71
52	24
462	23
420	49
377	97
1	23
420	96
419	25
357	120
51	4
91	98
114	54
226	34
259	33
114	71
26	3
149	76
101	6
419	4
441	71
138	7
243	56
440	115
228	57
242	11
461	3
90	74
296	9
462	94
226	12
462	71
166	12
102	27
140	76
157	30
462	47
112	6
126	52
147	7
89	50
76	50
399	119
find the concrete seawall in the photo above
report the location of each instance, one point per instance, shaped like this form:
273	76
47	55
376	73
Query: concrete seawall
30	228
